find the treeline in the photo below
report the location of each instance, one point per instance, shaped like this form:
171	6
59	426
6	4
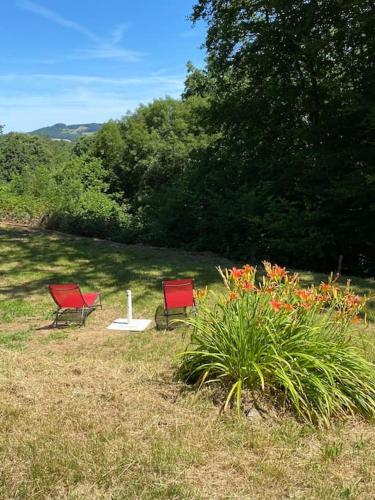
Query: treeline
269	154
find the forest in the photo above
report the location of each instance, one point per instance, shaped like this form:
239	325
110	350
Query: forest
268	154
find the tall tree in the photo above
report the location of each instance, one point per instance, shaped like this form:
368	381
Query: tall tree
293	85
158	140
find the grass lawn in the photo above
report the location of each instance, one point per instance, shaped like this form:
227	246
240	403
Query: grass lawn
88	413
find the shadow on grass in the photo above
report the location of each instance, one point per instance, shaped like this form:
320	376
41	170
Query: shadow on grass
32	259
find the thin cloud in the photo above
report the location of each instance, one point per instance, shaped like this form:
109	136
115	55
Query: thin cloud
57	18
29	101
169	81
102	49
107	52
26	111
118	34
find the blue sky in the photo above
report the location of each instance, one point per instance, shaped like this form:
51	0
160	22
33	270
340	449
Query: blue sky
79	61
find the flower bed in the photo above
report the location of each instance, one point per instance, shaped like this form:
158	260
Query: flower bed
269	334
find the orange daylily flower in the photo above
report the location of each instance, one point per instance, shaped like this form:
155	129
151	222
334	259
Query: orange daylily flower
353	300
288	307
303	294
270	288
276	304
248	287
326	287
321	298
247	269
236	273
201	293
233	295
277	272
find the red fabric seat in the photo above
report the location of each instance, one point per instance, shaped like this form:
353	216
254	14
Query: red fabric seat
90	298
178	293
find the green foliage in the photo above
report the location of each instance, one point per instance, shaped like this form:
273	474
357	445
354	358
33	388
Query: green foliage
108	147
291	86
95	214
291	343
20	150
70	197
21	208
84	145
61	187
196	82
158	143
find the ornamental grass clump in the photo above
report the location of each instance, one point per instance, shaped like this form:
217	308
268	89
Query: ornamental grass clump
292	343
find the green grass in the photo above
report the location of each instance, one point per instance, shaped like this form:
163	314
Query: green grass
13	309
88	413
14	340
332	451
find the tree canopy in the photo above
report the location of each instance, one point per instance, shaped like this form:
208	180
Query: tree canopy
292	86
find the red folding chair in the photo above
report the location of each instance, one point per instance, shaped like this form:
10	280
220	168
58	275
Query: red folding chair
178	294
68	297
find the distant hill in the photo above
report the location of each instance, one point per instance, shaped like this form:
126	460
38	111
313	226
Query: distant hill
67	132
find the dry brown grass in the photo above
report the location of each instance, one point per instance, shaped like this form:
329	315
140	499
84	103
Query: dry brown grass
87	413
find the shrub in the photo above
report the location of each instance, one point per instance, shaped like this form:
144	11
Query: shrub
95	214
293	343
70	197
20	208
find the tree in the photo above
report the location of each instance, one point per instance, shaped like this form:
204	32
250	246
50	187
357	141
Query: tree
84	145
196	82
158	140
20	150
292	85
